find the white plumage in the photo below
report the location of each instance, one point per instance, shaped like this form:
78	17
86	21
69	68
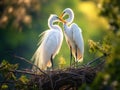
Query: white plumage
73	35
49	45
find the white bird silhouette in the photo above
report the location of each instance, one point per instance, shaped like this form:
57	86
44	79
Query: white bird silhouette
73	35
49	45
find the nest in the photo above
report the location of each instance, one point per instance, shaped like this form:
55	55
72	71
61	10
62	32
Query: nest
62	79
70	78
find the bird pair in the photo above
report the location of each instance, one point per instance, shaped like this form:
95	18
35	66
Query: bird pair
51	41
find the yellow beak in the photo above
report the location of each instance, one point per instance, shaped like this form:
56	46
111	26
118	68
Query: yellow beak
61	15
61	18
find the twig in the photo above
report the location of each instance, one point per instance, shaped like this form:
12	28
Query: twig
100	64
95	60
24	72
36	67
29	63
7	81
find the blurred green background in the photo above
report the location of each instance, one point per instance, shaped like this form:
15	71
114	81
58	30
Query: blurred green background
21	22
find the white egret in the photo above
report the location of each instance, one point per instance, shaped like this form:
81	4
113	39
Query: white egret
73	35
49	45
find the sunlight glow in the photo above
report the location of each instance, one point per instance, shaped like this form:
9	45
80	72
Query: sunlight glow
91	12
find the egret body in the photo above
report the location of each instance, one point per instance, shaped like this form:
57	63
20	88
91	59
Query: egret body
49	45
73	35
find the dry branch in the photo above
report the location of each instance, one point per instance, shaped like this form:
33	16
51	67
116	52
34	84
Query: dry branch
71	78
63	79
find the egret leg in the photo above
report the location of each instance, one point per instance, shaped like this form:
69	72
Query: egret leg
51	61
76	57
70	56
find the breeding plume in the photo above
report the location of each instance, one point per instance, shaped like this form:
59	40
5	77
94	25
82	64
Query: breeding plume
49	45
73	35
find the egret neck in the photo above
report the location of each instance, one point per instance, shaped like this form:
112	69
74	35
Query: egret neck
51	24
70	13
65	27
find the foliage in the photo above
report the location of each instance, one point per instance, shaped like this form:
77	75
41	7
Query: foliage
5	68
110	9
9	78
104	47
109	78
62	62
17	13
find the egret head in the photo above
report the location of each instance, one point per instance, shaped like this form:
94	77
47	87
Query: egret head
70	13
54	18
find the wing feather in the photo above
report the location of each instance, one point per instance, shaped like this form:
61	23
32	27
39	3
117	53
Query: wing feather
78	39
49	45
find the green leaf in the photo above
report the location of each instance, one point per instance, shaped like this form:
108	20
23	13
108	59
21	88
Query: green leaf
4	87
23	79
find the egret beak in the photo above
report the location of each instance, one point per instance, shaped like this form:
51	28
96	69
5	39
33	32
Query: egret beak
62	20
61	15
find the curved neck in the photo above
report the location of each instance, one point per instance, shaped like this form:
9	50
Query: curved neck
52	26
71	17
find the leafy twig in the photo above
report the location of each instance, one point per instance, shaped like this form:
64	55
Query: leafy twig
36	67
97	59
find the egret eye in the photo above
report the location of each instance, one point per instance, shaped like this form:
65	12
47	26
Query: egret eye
57	17
63	12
